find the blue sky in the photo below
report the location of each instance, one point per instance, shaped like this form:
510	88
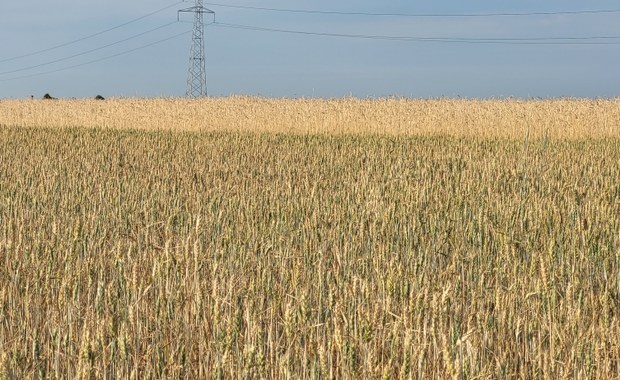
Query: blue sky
292	65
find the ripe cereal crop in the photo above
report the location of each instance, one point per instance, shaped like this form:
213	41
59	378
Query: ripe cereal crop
303	238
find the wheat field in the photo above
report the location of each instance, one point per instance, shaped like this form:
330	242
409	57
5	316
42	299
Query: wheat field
310	239
508	118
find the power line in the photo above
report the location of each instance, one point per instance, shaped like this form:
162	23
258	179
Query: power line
89	36
516	14
97	60
197	71
592	40
87	51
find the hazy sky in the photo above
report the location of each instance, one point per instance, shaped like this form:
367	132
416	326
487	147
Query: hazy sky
280	64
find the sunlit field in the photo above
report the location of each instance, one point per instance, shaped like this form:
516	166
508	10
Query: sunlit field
510	118
345	238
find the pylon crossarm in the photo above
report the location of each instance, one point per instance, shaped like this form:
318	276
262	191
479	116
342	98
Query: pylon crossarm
197	9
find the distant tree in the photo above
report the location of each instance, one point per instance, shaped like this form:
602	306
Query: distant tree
48	96
99	97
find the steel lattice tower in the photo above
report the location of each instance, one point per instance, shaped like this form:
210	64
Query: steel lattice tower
197	73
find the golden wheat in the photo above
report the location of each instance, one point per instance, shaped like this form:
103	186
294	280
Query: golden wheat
364	239
560	118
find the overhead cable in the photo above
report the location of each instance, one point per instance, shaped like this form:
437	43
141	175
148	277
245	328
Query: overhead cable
87	51
90	35
99	59
592	40
397	14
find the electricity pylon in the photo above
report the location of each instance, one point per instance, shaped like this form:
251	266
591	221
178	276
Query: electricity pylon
197	73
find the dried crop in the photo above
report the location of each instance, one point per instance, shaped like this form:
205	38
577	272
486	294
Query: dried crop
508	118
380	239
